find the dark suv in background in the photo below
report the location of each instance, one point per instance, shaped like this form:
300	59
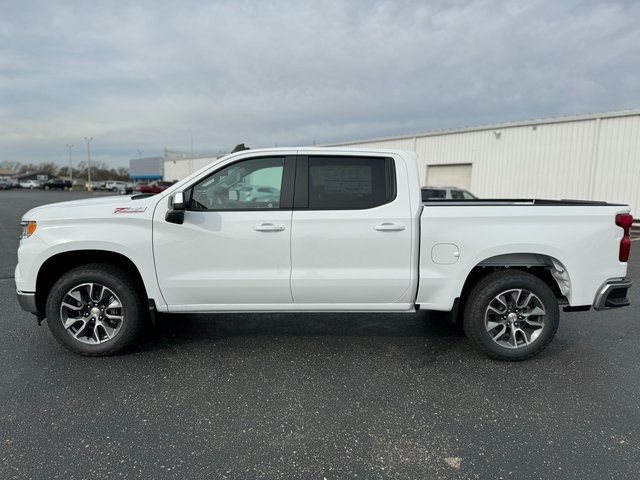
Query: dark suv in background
56	184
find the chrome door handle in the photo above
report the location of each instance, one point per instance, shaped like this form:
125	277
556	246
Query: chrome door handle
389	227
268	227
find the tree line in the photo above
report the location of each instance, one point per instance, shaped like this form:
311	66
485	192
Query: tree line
99	170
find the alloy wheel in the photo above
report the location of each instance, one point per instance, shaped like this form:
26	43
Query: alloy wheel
515	318
91	313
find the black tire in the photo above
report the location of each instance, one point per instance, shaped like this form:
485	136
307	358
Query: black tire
117	280
484	293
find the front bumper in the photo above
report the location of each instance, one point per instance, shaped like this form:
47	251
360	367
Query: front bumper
27	301
613	294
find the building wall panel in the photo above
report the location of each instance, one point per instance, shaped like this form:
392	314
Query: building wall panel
177	169
590	157
617	167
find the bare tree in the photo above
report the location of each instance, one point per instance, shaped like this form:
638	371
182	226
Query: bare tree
10	165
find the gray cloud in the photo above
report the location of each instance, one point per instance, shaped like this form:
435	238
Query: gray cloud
148	74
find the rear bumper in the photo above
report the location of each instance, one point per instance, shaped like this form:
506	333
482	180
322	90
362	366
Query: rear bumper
27	301
613	294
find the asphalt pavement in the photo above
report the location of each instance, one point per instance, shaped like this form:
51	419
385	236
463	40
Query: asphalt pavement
315	396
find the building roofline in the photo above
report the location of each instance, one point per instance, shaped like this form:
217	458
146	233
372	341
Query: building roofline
495	126
35	172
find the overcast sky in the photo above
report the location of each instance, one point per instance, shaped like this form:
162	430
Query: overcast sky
149	74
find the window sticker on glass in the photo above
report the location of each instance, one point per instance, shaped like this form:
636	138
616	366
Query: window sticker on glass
354	180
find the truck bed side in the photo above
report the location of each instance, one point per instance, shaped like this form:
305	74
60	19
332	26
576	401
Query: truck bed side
578	242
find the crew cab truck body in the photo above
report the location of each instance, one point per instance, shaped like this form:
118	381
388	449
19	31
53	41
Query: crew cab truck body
347	231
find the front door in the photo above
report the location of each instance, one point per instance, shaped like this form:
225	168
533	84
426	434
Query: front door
234	245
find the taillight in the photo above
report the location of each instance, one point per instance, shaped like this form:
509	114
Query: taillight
624	221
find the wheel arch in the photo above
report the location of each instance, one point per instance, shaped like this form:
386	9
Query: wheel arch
546	267
57	265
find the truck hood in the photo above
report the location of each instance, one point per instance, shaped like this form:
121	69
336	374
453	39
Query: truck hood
92	208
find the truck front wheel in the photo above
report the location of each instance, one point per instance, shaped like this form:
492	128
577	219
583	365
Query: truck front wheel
511	315
95	310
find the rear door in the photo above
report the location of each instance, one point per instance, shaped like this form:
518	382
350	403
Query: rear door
351	231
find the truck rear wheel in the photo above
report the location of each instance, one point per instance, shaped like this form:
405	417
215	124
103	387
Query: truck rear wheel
511	315
95	310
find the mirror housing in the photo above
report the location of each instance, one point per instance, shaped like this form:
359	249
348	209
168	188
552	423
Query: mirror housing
177	206
177	201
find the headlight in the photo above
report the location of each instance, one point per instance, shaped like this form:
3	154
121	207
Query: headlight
27	229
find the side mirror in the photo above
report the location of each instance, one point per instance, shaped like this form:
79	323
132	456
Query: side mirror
177	206
177	201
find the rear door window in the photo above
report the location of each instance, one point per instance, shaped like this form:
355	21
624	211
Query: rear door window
349	183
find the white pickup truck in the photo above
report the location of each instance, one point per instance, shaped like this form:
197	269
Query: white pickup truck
319	229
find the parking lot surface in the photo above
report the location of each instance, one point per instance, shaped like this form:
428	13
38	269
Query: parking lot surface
315	396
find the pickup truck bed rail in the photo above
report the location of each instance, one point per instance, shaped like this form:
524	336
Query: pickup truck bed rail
517	202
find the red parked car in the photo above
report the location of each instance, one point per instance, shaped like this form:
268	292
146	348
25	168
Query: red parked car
153	187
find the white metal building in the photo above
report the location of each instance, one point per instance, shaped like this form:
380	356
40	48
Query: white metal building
589	157
178	165
178	169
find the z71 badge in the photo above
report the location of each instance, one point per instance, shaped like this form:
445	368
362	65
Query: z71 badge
129	209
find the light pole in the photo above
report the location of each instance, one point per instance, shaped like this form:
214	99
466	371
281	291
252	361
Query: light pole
70	146
191	161
140	154
88	140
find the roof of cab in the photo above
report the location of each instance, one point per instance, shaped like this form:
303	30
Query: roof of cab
312	149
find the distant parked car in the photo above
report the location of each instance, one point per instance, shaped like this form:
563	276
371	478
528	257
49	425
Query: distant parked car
446	193
129	188
56	184
30	184
6	183
115	186
154	187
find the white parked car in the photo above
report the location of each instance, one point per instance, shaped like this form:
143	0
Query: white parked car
348	232
115	186
30	184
